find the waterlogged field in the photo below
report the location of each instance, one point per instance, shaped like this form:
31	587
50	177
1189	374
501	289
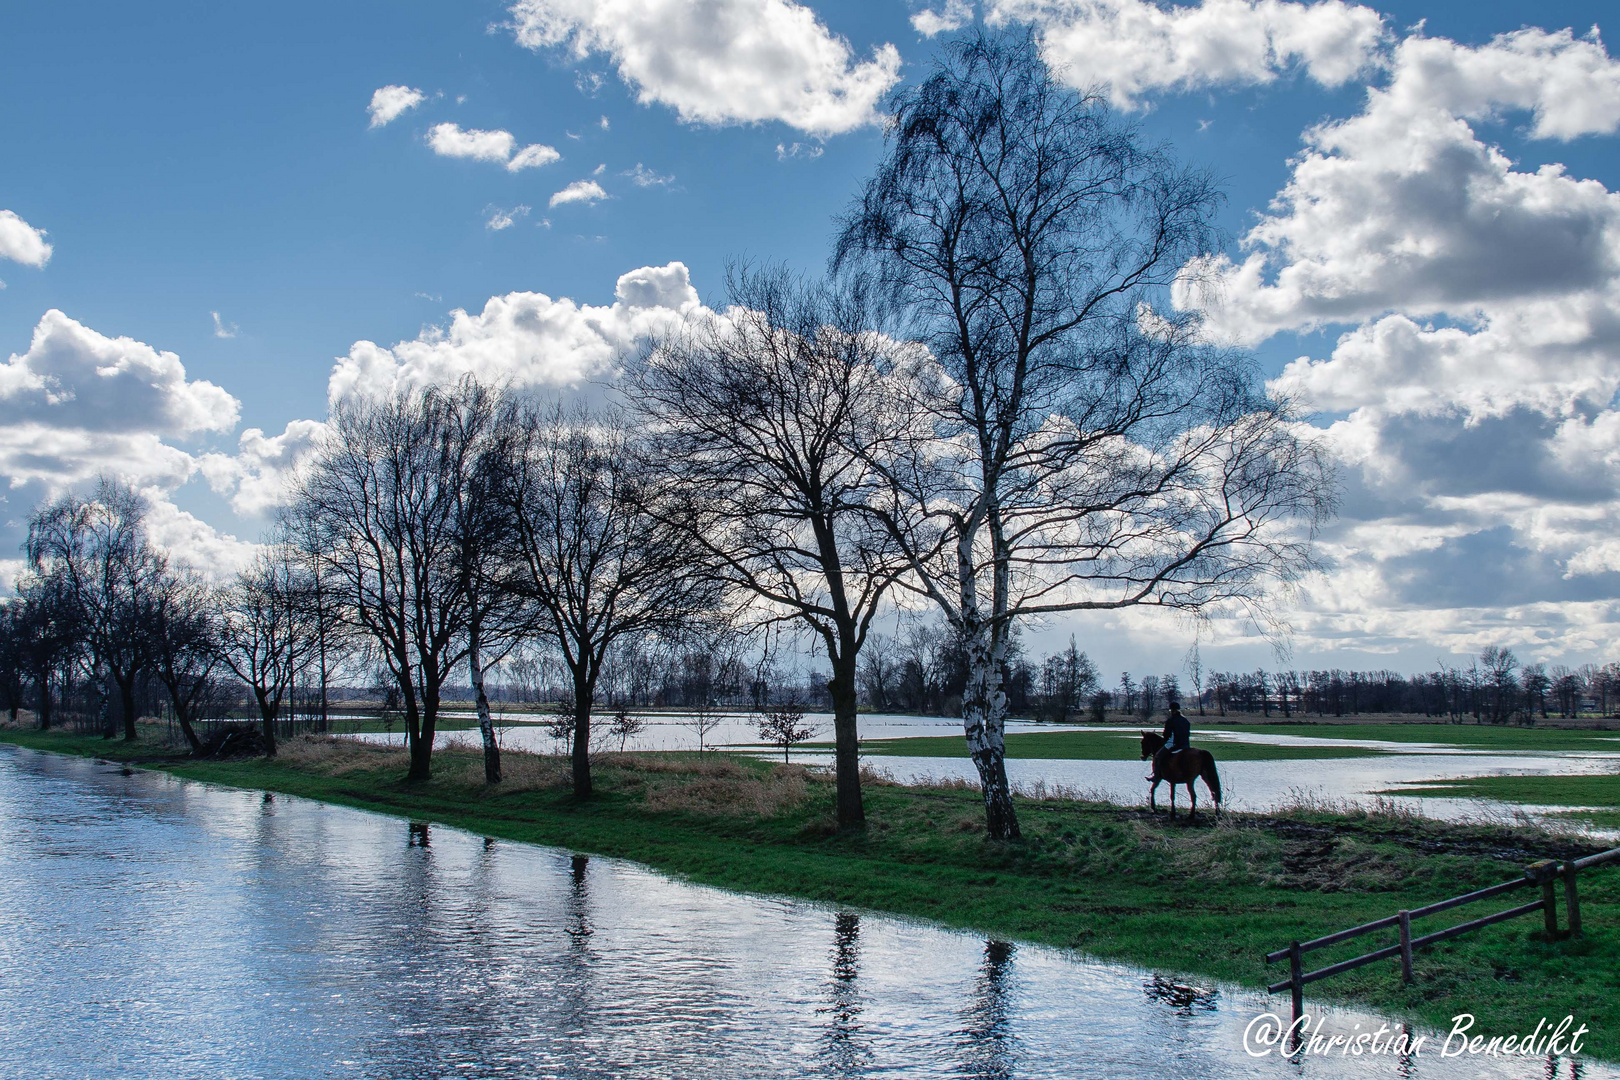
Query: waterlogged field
1552	776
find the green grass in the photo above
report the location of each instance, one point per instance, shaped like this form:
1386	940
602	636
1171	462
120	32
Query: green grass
1110	881
1506	738
1600	790
1096	746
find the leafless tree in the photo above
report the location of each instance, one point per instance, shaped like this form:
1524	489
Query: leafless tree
1075	447
383	502
96	550
595	558
756	418
878	660
186	647
783	726
266	631
51	635
478	433
626	725
703	718
1195	675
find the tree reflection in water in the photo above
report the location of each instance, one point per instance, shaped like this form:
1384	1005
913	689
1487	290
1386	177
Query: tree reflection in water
847	1050
988	1045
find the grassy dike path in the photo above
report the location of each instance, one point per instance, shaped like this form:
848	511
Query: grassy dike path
1204	901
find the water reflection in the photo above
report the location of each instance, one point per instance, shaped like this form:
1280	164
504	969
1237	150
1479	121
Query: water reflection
1181	997
161	929
989	1048
847	1048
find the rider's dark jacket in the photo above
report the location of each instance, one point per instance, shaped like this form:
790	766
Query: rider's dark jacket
1177	733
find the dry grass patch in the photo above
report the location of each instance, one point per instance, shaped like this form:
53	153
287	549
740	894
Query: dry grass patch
330	756
729	790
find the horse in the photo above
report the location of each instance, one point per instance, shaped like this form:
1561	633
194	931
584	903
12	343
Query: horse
1182	767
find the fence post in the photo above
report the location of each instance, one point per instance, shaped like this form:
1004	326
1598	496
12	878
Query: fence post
1296	980
1405	918
1572	901
1544	872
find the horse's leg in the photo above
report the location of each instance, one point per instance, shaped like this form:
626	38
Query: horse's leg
1153	807
1192	796
1172	800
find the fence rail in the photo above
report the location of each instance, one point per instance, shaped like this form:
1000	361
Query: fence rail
1545	873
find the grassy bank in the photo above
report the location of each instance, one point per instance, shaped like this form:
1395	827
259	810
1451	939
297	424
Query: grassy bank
1204	901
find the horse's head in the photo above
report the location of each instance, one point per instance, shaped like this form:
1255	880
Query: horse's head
1151	741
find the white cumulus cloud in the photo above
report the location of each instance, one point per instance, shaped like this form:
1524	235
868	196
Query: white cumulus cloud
1133	47
526	338
954	15
73	377
585	191
1478	367
504	219
21	242
721	61
499	147
390	102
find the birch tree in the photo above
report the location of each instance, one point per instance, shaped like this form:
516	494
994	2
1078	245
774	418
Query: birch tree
1077	447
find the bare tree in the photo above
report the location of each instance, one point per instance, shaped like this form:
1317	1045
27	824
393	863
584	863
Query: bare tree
97	551
1195	674
1075	447
756	418
477	425
381	502
595	558
266	631
13	668
783	726
878	670
703	718
186	647
626	725
51	635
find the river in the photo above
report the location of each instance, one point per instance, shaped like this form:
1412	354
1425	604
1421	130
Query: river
158	928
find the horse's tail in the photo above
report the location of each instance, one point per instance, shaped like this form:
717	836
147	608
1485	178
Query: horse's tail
1212	777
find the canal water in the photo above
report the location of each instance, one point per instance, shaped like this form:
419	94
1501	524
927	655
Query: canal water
157	928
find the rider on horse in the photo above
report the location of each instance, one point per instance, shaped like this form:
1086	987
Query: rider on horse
1177	736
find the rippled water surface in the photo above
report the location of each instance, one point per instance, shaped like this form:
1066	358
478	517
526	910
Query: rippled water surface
159	928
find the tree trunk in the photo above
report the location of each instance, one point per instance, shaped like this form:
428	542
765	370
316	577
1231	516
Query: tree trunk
44	703
267	722
421	757
846	755
190	734
984	721
422	751
486	727
104	708
126	700
584	689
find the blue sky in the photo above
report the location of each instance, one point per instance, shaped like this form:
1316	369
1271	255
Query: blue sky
184	160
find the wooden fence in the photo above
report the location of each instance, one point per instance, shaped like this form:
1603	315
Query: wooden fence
1545	873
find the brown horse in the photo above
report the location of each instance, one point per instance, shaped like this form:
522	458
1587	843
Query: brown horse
1182	767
